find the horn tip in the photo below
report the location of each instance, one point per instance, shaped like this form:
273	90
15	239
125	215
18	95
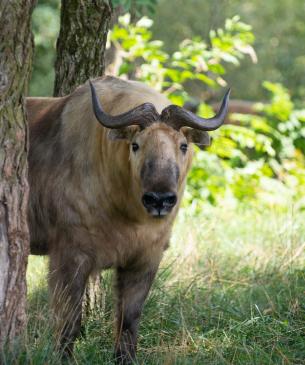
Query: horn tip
91	84
93	91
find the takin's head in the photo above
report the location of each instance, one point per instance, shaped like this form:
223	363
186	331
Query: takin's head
160	148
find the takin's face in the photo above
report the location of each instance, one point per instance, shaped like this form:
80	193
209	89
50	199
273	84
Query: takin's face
160	152
160	158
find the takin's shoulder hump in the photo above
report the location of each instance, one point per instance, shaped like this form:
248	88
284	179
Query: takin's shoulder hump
119	96
38	108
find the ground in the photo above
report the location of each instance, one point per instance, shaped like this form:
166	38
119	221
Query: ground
231	290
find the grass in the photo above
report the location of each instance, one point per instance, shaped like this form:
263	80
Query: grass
231	290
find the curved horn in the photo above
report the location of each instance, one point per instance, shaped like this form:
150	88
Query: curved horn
142	115
179	117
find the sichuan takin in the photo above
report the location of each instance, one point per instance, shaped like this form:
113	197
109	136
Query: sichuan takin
107	170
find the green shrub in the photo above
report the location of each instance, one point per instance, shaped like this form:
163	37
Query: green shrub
144	58
261	156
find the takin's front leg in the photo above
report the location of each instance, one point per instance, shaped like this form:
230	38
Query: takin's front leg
69	272
132	288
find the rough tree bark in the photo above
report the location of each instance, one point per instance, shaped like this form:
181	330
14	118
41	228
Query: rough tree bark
81	50
15	63
81	43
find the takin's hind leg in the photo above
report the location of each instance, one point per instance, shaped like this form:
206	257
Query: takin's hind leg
69	272
133	286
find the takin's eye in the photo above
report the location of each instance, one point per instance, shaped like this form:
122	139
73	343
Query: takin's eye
183	147
135	147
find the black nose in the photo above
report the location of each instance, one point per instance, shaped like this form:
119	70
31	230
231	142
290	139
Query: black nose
159	200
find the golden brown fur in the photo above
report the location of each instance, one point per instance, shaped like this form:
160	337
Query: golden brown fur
85	204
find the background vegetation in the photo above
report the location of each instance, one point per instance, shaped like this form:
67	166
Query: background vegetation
279	31
238	242
260	158
278	26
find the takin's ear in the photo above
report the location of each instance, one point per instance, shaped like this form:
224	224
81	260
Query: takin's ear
122	133
200	138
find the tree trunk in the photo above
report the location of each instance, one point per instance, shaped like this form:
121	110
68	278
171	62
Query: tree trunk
15	63
81	55
81	43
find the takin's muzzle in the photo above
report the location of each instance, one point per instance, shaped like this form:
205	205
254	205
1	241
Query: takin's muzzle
159	204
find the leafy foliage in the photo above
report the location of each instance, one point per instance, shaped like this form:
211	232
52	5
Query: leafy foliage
195	60
260	156
279	43
277	24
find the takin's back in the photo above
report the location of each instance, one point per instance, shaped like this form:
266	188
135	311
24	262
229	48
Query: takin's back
117	97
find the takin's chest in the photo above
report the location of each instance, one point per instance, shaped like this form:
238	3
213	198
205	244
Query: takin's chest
119	244
111	241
